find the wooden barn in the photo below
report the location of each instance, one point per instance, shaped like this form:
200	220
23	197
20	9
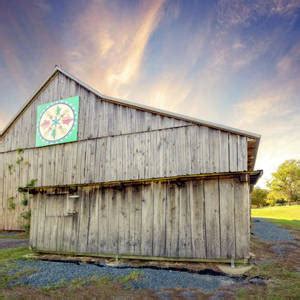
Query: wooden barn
108	177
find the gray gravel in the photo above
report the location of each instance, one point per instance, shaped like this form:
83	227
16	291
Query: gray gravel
270	232
47	274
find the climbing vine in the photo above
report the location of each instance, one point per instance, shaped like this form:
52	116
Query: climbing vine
23	191
11	203
11	169
25	199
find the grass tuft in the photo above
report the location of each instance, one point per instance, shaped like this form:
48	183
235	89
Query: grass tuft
13	254
283	283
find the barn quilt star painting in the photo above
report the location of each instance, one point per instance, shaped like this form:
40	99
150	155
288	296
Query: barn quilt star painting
57	122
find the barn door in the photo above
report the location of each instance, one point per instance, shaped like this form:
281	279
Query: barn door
61	222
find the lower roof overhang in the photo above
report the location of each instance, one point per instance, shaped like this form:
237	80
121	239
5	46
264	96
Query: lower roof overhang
246	176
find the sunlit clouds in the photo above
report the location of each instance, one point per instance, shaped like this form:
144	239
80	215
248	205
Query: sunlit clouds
229	61
112	56
274	111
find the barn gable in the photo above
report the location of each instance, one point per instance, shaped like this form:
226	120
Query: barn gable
107	116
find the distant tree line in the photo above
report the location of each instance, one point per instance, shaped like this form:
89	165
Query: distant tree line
282	188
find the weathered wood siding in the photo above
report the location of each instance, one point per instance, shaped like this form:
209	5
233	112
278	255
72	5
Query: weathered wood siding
186	150
199	219
115	143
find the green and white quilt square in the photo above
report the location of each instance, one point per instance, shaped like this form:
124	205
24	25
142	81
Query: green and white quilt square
57	122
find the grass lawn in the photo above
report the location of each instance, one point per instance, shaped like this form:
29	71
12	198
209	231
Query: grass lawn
288	216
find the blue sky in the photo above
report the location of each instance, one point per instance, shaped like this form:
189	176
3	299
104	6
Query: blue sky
231	62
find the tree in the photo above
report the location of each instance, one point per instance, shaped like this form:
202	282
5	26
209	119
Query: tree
275	198
285	183
259	197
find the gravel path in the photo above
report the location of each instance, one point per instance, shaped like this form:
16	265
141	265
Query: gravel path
52	273
270	232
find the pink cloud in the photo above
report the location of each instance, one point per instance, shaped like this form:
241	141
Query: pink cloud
111	45
273	111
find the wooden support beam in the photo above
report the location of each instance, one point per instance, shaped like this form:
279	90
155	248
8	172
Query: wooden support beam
244	177
149	258
179	180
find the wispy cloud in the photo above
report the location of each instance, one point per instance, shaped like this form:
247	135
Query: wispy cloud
288	65
111	44
25	38
236	13
43	6
13	65
274	111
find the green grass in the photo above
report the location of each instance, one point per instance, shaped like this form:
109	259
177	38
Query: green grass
283	283
12	254
288	216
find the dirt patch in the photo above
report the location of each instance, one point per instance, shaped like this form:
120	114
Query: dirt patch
286	253
275	274
13	239
104	291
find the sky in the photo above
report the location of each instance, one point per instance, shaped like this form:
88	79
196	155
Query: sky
231	62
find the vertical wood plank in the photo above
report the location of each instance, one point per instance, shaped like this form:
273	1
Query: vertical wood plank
185	239
137	196
112	236
214	150
224	152
233	155
103	222
84	214
242	219
159	219
92	246
172	220
242	153
198	219
227	218
147	220
212	222
124	225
